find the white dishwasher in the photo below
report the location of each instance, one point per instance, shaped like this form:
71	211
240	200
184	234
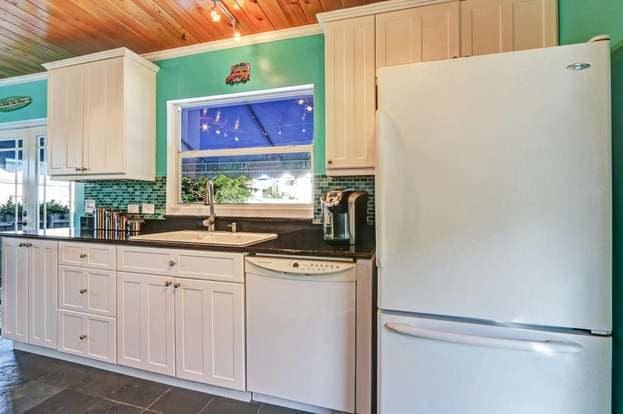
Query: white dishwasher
301	330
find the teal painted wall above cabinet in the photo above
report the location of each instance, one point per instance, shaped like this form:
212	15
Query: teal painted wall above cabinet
278	64
37	90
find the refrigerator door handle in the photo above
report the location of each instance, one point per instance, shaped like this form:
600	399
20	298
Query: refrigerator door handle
540	346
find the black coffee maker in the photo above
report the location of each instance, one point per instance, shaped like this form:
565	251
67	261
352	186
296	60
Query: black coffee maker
343	215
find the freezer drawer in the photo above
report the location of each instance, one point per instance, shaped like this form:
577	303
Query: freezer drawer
444	367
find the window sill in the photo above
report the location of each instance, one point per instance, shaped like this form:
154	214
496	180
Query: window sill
297	211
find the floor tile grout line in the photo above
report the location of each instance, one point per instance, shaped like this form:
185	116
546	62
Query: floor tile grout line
203	409
158	399
123	403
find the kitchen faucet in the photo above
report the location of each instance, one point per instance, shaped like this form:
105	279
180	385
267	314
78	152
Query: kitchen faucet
209	201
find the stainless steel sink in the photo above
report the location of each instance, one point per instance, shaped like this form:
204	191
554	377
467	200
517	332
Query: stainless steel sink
214	238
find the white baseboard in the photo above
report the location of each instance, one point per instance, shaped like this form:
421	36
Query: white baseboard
291	404
133	372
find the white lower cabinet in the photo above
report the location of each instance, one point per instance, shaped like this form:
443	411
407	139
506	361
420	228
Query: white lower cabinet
29	291
209	332
87	290
89	336
146	331
193	329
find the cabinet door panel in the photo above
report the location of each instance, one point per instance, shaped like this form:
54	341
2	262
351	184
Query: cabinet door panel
43	257
350	95
88	290
65	120
210	333
87	335
494	26
14	290
417	35
146	322
104	151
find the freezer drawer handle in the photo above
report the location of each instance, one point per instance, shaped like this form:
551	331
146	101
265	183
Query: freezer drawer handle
544	347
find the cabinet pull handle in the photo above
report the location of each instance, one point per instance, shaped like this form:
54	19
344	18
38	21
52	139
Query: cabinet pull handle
167	283
172	263
78	169
83	255
83	337
83	291
176	285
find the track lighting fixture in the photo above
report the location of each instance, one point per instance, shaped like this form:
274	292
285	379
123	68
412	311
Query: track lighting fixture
217	8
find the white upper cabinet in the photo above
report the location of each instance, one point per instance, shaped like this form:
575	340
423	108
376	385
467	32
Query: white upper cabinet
358	41
350	96
102	117
417	35
494	26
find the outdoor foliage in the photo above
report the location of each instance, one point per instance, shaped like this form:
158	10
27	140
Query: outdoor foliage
227	190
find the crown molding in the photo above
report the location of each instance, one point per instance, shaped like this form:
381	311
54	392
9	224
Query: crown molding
106	54
309	30
23	79
291	33
374	8
27	123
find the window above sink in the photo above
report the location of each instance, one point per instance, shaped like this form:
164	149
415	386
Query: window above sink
256	147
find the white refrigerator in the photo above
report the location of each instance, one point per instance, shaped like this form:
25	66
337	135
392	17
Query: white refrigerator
494	226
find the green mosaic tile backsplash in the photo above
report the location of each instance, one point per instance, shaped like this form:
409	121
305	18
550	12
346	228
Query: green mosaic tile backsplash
116	195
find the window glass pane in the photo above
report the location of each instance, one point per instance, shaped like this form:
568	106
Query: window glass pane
249	124
12	213
8	144
249	179
55	197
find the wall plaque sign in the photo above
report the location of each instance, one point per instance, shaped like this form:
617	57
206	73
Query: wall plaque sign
13	103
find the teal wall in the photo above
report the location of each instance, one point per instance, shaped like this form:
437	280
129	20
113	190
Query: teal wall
277	64
37	90
579	21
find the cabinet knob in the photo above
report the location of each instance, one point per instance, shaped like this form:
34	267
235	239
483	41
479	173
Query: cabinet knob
78	169
83	337
83	255
27	244
83	291
167	283
330	162
172	263
21	245
176	285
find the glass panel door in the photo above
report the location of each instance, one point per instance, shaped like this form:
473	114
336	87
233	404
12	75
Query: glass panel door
12	212
29	198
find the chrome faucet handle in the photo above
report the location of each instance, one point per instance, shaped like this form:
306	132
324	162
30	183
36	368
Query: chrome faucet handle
233	226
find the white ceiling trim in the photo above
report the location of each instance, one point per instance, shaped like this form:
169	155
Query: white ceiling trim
254	39
374	8
23	79
312	29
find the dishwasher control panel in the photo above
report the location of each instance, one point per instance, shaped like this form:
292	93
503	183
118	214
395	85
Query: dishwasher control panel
300	266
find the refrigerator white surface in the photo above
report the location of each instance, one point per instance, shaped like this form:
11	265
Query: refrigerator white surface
442	367
494	189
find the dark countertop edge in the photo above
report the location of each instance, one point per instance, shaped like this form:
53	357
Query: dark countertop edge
253	249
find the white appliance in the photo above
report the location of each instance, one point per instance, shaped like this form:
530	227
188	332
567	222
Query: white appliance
493	191
301	332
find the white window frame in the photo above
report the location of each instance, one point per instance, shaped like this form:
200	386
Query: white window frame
174	157
29	132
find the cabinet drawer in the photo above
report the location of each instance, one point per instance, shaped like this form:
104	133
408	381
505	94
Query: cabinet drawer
194	264
96	256
88	336
87	290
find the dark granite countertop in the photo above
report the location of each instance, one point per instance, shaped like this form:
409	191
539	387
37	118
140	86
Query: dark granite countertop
302	241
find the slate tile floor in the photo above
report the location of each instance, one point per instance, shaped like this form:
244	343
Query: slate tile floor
32	384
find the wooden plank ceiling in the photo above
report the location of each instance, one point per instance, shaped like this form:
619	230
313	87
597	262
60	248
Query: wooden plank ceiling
33	32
